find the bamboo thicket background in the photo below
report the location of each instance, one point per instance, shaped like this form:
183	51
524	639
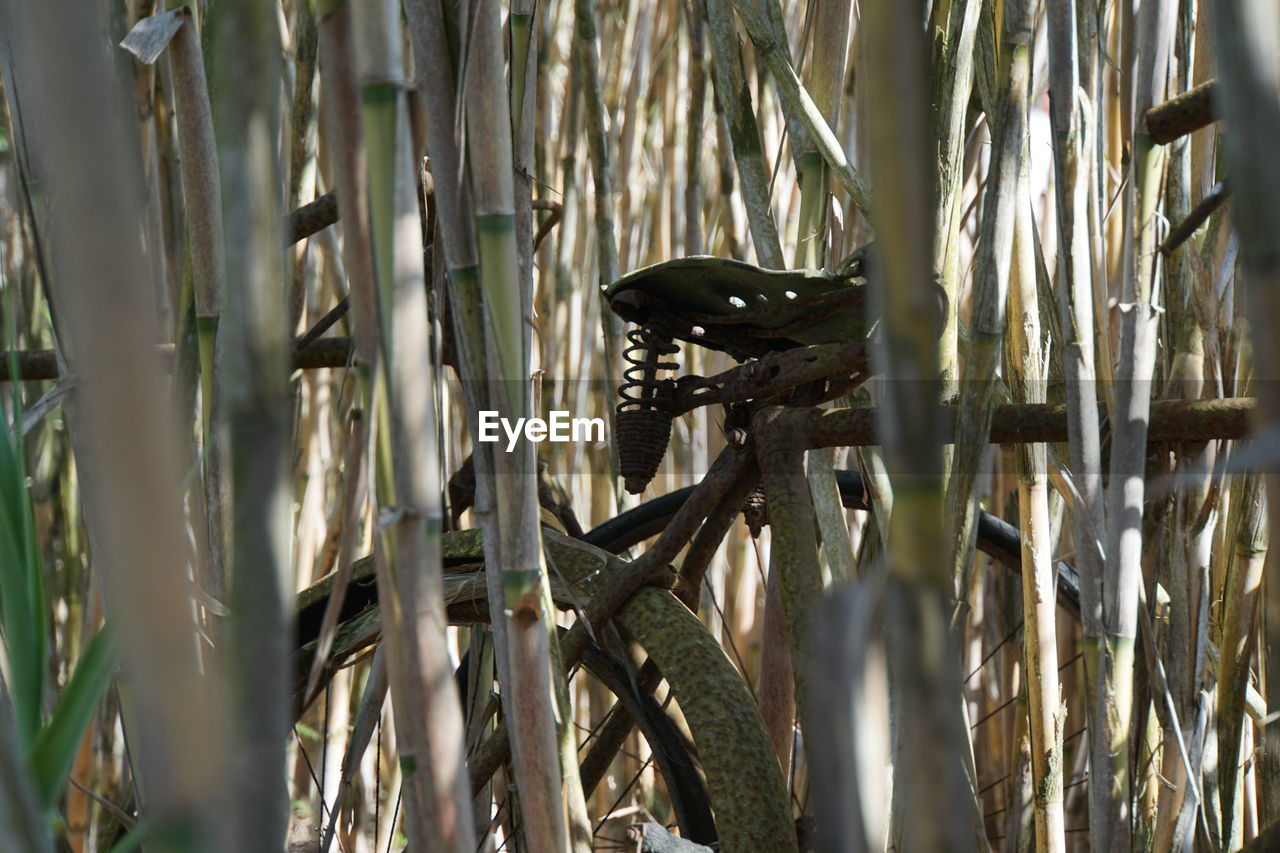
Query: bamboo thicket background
510	159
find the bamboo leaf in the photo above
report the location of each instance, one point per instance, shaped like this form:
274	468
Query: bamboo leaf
22	599
150	36
55	747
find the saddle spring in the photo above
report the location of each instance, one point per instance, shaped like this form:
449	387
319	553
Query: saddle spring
645	413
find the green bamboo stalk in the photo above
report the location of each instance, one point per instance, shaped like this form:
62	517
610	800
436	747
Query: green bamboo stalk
432	733
1250	91
126	456
524	79
434	61
429	724
201	193
519	594
524	59
435	45
203	229
255	342
824	77
929	764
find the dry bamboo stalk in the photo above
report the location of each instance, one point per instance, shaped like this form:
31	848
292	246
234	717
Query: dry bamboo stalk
1131	414
1027	374
955	67
1192	509
734	98
1073	126
586	63
344	132
1236	648
693	148
986	320
773	49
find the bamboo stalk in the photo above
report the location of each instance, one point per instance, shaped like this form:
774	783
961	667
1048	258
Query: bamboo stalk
344	130
1131	411
1071	115
586	65
255	340
303	138
929	764
824	76
986	320
695	20
202	197
1236	648
1251	111
1191	540
524	61
773	48
1027	372
435	44
126	455
519	594
201	193
954	72
430	732
734	97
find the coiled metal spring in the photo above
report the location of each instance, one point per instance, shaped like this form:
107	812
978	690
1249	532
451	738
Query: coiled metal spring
755	511
644	416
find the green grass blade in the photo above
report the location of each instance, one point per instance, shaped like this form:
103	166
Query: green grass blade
55	747
22	605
